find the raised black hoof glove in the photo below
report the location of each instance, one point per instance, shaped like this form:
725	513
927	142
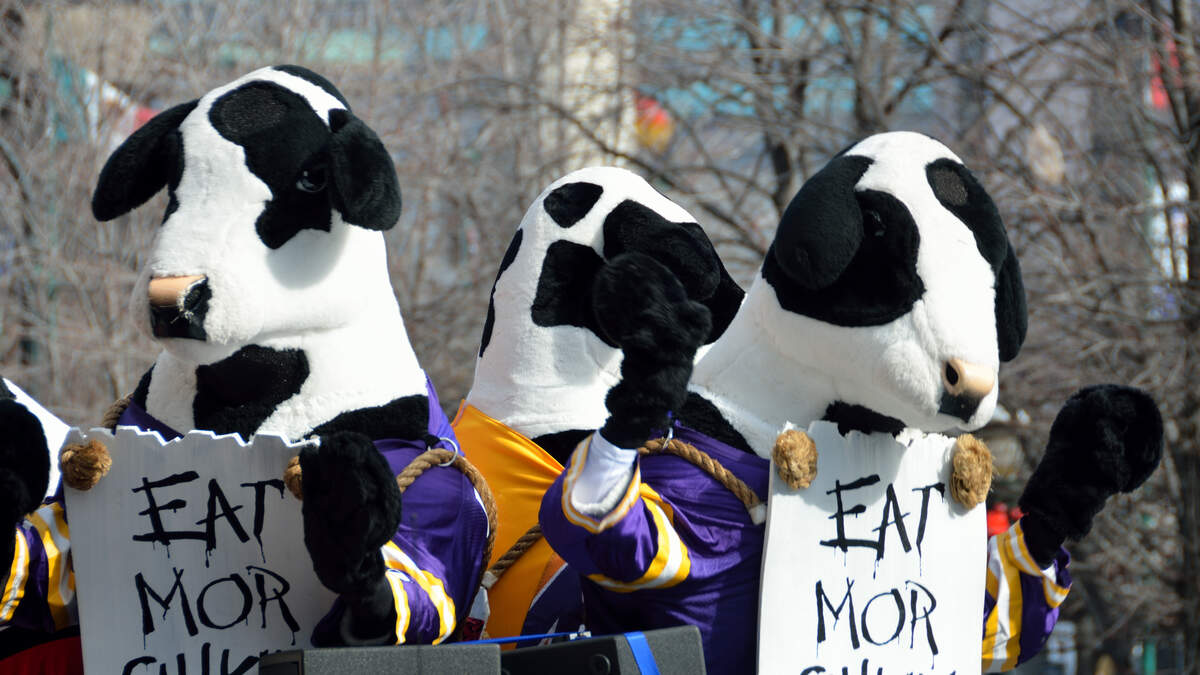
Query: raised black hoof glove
1106	439
351	508
643	308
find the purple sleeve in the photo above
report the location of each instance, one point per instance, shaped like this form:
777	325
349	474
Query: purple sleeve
633	546
39	586
1021	603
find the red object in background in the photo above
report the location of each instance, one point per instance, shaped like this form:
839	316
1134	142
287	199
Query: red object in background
1158	91
653	124
997	519
143	115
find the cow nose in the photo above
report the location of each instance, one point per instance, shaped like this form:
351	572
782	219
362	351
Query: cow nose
964	386
170	291
178	306
962	378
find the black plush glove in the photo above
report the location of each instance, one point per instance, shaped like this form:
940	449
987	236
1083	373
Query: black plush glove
351	509
24	470
1106	439
643	308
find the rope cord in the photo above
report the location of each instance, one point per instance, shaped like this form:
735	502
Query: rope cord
712	467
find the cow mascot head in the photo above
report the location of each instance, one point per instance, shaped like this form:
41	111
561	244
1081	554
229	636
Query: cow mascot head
885	306
267	288
546	364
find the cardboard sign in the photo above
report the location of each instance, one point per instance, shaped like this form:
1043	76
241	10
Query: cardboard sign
873	568
189	556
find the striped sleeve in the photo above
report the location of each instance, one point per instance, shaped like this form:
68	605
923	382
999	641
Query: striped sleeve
39	587
633	546
1021	602
425	613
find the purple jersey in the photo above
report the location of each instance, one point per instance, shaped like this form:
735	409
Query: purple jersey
39	586
680	548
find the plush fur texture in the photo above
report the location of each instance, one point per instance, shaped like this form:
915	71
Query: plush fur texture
278	196
1106	439
643	308
24	462
545	365
344	546
24	468
870	287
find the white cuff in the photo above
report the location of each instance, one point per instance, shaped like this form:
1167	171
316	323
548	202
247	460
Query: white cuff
605	477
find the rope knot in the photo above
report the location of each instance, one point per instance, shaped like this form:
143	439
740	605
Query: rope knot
795	457
292	478
971	471
83	465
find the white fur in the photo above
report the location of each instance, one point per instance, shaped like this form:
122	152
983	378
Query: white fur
541	380
327	293
773	366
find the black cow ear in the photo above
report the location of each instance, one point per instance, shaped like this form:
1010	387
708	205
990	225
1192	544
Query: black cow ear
365	188
140	167
822	227
1011	319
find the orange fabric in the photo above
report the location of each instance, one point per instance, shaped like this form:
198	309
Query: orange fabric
519	472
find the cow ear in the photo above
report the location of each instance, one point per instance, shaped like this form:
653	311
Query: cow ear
822	227
365	188
141	166
1011	319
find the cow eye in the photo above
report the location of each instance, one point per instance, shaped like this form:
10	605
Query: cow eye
312	179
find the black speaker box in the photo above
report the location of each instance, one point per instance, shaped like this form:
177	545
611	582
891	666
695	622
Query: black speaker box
676	651
464	659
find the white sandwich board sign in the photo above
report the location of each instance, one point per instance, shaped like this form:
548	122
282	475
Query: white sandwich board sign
873	568
189	555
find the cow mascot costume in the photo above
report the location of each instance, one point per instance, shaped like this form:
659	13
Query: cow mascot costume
545	365
38	629
885	305
267	288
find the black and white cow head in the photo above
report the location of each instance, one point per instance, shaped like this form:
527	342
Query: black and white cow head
888	298
278	194
544	365
894	262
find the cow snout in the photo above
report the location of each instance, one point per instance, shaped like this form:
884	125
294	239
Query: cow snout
964	386
178	306
168	291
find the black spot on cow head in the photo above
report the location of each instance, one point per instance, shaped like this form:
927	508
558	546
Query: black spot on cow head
568	204
957	189
565	287
238	394
510	254
286	146
876	235
680	247
404	417
313	78
142	165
